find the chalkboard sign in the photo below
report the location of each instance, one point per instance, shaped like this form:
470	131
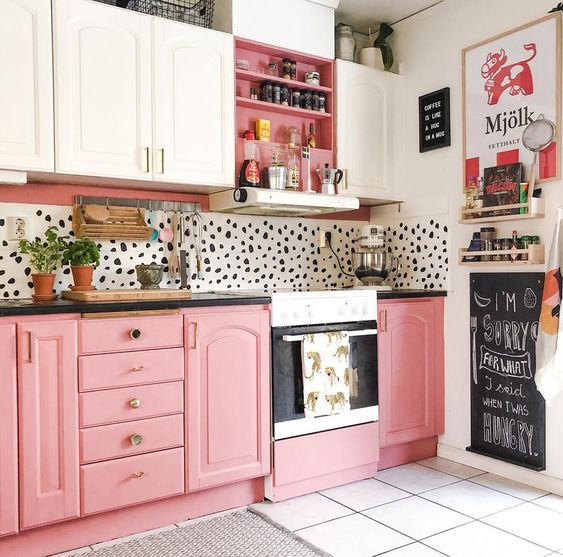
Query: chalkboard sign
434	120
507	411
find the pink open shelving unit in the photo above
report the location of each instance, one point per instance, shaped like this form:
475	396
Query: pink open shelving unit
281	117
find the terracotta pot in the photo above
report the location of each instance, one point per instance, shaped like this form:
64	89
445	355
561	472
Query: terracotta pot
43	283
82	277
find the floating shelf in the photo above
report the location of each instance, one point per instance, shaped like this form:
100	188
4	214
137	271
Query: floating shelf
534	210
535	253
247	75
281	109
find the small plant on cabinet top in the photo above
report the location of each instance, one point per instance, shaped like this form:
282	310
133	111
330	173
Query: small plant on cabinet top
82	252
385	31
45	254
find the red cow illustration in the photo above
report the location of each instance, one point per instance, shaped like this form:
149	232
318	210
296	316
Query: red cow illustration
517	77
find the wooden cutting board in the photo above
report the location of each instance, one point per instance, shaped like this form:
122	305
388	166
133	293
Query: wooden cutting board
124	295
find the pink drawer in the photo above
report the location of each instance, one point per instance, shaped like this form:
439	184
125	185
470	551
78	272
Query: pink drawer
117	335
132	403
131	438
107	371
127	481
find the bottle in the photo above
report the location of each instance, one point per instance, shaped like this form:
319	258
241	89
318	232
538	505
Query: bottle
311	138
250	170
514	256
293	166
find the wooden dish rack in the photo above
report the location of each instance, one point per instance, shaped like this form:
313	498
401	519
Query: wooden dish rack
123	223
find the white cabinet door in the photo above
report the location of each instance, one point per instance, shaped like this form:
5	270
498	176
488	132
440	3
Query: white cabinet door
298	25
367	128
103	75
194	105
26	85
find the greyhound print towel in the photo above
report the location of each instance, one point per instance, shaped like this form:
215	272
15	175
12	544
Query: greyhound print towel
326	374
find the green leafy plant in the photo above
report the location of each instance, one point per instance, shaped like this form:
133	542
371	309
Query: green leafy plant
277	156
45	253
385	31
82	252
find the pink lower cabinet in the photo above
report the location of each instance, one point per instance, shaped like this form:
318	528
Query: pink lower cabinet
8	433
411	373
48	421
228	395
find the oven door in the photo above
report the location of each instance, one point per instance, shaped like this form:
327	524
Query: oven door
288	404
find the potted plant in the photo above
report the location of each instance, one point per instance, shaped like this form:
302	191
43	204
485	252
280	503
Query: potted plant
276	174
83	255
380	55
44	256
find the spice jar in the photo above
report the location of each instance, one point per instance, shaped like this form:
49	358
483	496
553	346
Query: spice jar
497	246
276	93
273	69
296	98
253	94
307	100
286	73
284	95
525	242
322	102
293	69
506	245
345	42
268	91
488	234
316	101
313	78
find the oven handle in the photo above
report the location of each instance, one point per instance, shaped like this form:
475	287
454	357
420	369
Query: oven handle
300	338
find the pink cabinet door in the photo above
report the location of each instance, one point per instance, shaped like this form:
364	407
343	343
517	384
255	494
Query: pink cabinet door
410	346
8	432
48	419
228	396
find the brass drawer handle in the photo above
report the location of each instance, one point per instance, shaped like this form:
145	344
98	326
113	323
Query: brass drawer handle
135	334
136	439
137	474
138	368
135	403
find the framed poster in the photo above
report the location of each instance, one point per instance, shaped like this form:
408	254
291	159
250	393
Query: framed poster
508	82
434	120
507	410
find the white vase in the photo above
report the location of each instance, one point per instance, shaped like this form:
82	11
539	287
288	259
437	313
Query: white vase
371	56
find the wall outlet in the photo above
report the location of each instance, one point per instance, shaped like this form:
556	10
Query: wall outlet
322	238
17	228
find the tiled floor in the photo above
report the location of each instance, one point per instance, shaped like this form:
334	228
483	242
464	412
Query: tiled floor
431	508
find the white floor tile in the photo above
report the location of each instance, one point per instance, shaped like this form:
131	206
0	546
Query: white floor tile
365	494
477	539
116	541
353	536
302	512
553	502
536	524
450	467
413	550
471	499
417	517
80	551
415	478
516	489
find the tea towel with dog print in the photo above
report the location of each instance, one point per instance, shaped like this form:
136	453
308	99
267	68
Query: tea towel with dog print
326	373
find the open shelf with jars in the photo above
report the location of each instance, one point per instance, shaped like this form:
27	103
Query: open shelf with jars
532	255
252	71
534	209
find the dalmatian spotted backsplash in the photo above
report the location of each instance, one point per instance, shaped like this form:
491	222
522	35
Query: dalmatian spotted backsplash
421	246
238	252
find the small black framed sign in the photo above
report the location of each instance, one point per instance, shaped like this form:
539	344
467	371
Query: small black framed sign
434	120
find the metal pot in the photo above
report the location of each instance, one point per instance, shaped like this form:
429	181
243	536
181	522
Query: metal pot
372	267
150	276
275	177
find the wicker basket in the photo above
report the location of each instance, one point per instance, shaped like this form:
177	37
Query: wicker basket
124	223
195	12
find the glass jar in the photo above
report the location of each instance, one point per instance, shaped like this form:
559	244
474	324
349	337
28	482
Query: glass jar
345	42
273	69
497	246
506	245
286	65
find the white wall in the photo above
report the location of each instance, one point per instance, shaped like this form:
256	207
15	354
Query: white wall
428	47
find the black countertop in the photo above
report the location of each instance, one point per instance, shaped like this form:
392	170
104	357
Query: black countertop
28	307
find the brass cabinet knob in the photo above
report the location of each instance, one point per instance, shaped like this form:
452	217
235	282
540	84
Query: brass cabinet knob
135	334
137	474
136	439
138	368
135	403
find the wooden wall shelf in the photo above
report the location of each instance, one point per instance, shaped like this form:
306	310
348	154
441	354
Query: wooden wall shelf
124	223
535	256
534	210
258	77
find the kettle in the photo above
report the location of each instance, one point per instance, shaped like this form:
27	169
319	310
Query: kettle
329	178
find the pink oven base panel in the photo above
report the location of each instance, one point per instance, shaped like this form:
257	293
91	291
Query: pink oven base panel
65	536
404	453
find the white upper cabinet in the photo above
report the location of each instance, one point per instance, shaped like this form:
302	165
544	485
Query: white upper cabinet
194	126
103	85
26	85
368	128
298	25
